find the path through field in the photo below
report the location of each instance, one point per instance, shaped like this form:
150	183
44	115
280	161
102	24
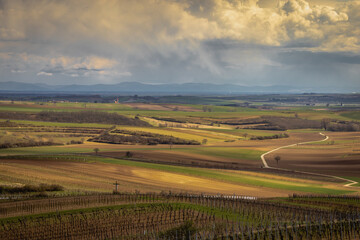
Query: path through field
351	182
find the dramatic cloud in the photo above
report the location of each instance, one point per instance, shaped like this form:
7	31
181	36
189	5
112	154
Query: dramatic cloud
223	41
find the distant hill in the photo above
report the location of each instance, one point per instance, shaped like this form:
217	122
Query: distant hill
23	87
136	87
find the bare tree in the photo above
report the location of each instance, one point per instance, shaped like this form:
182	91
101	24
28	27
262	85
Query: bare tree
277	159
96	150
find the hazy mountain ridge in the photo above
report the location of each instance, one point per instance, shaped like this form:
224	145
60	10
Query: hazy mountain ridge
136	87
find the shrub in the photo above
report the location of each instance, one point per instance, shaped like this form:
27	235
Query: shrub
31	188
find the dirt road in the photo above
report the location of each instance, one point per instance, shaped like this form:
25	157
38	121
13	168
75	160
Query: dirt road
349	184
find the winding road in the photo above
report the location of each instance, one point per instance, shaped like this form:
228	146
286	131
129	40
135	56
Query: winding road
351	182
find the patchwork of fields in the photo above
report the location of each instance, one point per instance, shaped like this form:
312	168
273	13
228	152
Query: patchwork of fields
226	161
176	171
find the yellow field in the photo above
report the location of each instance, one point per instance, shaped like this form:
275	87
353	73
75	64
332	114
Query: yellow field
185	133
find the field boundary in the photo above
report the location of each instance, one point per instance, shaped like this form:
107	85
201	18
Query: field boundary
351	182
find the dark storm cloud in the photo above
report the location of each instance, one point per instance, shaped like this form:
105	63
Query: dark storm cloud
318	58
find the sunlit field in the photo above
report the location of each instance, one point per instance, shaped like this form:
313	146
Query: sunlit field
156	154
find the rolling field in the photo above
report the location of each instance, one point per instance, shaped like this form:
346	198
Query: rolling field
183	111
225	157
98	174
180	133
182	171
339	155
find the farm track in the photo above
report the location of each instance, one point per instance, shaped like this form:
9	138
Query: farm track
351	182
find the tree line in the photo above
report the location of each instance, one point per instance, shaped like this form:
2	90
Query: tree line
340	126
275	136
29	143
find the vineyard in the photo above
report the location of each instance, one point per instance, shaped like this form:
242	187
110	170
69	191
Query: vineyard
180	216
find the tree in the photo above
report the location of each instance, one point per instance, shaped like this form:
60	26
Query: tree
245	135
96	150
204	141
325	123
129	154
277	159
207	108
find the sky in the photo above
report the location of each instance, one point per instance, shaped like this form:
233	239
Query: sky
307	44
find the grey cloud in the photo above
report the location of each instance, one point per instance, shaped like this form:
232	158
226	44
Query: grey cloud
317	58
226	41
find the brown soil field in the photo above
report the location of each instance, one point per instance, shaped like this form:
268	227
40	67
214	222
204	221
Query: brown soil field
340	158
162	107
100	177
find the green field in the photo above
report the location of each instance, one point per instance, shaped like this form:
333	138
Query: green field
352	115
217	112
